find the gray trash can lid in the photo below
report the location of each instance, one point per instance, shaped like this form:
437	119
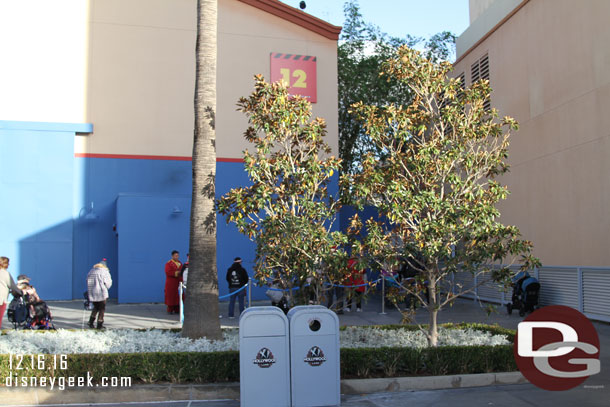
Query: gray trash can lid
263	322
307	320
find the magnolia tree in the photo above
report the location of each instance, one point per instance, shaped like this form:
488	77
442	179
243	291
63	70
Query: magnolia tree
361	52
436	188
288	211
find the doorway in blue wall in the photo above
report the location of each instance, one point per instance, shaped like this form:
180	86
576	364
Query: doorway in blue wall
149	227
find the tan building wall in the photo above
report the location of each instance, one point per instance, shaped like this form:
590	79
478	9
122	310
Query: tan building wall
549	69
246	37
142	73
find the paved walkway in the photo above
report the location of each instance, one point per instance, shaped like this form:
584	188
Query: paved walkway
71	314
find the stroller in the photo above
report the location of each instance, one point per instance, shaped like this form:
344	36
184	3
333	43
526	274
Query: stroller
525	294
28	311
278	298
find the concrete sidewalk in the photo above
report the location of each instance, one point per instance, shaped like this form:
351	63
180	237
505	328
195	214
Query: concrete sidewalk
72	315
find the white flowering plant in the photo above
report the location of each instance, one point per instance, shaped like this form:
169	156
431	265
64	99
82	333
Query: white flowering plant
155	340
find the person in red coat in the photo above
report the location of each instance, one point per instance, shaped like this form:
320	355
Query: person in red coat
356	278
173	278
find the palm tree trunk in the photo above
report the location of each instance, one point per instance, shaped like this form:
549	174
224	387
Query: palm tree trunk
201	302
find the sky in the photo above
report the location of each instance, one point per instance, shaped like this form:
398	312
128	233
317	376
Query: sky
419	18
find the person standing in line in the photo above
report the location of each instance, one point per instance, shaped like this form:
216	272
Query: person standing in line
356	280
338	304
237	277
98	283
172	280
185	275
7	284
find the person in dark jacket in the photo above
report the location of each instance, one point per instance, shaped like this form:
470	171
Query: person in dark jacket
237	277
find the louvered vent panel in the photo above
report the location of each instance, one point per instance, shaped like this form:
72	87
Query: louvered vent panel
488	290
480	70
475	74
462	78
466	281
596	291
484	68
558	287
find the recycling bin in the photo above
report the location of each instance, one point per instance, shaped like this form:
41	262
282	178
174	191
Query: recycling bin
314	356
264	358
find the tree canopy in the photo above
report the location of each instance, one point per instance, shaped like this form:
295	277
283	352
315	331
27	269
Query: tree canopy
289	210
437	185
362	50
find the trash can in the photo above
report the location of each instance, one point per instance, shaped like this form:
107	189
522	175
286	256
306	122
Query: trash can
264	358
314	356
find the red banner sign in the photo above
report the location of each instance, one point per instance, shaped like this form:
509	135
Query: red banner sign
298	71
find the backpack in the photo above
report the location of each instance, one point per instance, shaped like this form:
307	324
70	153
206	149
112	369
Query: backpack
17	311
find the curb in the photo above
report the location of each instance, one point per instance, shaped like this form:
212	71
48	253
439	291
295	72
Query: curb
394	384
230	391
137	393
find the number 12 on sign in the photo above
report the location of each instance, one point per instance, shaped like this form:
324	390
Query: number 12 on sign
300	74
297	71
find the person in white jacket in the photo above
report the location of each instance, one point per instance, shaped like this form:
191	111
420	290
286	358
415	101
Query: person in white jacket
7	284
98	283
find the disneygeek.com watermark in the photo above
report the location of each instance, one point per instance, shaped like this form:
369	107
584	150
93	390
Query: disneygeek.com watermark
557	348
22	367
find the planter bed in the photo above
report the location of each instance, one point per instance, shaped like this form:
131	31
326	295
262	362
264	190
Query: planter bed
163	356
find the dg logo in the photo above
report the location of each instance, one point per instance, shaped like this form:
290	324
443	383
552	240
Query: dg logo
557	348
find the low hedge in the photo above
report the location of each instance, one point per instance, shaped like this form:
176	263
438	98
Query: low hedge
445	360
192	367
174	367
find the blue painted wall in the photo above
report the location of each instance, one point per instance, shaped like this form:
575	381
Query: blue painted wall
103	180
348	211
63	214
230	243
149	228
36	180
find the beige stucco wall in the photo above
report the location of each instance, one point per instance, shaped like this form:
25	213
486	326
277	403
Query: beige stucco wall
142	74
246	37
549	69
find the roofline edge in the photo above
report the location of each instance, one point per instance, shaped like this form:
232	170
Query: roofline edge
297	17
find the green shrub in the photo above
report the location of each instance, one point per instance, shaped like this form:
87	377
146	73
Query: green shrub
175	367
194	367
446	360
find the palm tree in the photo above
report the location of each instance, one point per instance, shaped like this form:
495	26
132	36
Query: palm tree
201	303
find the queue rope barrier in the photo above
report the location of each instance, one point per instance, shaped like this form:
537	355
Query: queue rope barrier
369	284
233	293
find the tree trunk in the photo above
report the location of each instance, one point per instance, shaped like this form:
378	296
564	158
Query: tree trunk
433	310
201	303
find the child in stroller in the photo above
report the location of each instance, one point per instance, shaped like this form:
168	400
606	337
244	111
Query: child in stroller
28	310
525	293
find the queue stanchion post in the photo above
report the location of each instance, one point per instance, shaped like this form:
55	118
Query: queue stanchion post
383	296
249	292
180	291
